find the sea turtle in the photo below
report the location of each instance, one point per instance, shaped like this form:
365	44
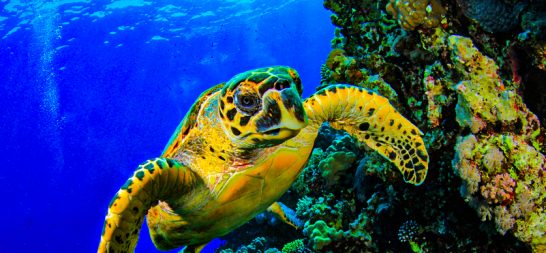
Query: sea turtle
239	148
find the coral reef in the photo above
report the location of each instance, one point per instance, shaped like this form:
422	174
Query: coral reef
470	74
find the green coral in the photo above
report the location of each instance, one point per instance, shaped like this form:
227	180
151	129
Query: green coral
296	246
331	163
335	164
320	234
358	229
322	208
367	34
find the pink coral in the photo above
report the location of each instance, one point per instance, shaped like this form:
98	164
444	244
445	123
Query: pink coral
500	190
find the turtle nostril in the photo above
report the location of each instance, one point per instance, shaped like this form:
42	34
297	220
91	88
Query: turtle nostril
282	84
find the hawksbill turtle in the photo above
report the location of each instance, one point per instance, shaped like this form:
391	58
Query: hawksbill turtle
239	148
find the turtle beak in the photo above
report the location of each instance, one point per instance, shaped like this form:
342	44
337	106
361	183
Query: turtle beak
282	113
294	116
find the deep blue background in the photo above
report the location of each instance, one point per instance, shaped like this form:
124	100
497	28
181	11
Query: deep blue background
86	95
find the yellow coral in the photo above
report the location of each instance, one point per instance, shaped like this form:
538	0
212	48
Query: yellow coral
483	99
416	13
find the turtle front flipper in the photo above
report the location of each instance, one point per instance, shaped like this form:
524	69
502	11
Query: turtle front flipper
153	180
373	120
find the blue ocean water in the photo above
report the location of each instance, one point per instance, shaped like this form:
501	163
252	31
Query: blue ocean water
90	89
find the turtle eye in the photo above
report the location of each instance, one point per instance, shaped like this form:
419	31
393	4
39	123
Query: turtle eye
248	103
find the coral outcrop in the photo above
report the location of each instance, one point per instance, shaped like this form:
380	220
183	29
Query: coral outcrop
505	181
484	101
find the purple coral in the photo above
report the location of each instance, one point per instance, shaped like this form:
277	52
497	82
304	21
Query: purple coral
500	190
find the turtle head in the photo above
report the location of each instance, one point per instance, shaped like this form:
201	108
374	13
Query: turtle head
262	107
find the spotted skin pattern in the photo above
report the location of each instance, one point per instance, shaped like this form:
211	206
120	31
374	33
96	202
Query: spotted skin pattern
372	120
153	180
239	149
276	109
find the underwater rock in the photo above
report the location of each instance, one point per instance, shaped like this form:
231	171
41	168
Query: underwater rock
340	68
366	33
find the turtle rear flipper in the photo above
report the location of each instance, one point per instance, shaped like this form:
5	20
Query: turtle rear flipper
153	180
373	120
